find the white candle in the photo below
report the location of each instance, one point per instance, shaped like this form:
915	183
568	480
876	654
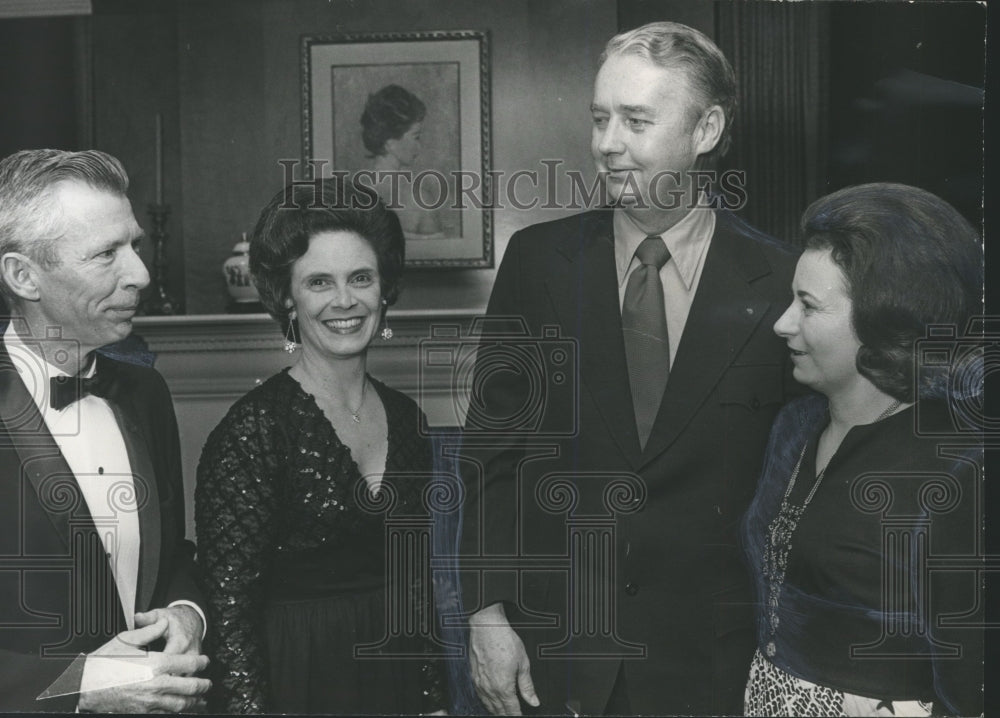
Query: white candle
159	158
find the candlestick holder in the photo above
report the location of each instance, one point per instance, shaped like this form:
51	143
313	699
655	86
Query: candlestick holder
159	301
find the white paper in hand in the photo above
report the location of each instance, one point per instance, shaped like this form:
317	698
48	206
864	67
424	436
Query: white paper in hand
100	673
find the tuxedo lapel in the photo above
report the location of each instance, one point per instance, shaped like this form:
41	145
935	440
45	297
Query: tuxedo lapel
39	457
585	295
137	444
725	312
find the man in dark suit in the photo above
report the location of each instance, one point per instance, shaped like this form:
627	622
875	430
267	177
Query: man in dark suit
637	478
98	600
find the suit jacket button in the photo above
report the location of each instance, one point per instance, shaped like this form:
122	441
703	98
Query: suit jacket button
631	588
755	403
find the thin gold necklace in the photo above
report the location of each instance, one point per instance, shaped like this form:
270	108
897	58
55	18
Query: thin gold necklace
356	414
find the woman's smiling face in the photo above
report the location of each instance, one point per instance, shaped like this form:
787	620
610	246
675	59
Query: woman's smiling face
337	294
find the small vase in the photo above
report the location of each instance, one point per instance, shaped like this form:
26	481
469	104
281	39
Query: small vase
236	269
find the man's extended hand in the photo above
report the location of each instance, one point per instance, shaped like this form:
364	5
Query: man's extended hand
500	665
184	628
122	677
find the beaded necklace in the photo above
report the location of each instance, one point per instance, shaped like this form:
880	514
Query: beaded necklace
779	545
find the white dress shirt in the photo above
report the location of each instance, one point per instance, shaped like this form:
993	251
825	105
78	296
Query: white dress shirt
688	242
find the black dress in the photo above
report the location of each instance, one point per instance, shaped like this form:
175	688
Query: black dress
294	547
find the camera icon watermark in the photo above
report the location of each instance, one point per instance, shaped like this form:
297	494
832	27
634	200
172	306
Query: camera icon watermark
28	387
503	381
67	597
952	366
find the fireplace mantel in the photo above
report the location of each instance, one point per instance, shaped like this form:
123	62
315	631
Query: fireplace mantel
222	356
209	361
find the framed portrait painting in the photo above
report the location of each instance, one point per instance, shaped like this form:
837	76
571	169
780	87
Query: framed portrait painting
408	115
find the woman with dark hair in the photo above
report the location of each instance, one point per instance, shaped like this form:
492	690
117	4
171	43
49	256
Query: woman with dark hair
391	127
859	486
295	483
391	123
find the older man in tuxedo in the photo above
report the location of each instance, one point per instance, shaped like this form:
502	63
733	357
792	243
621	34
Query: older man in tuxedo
638	477
98	600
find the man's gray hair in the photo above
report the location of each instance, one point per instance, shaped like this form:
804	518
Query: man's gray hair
29	221
676	46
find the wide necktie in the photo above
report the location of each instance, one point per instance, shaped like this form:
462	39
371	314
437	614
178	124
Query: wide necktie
644	327
64	390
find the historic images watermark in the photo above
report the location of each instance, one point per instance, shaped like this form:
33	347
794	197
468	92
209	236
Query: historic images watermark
917	509
27	367
952	363
548	187
546	404
536	407
89	525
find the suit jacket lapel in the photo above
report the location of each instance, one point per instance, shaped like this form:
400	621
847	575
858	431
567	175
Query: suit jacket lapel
725	312
585	296
137	444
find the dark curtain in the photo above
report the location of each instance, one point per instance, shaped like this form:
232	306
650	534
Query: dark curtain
43	83
906	98
779	51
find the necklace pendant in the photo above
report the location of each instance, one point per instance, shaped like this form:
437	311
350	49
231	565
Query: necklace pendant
357	418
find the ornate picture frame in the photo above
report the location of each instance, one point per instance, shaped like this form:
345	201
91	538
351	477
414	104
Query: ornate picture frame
407	114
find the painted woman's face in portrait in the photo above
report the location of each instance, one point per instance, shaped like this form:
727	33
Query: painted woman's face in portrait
406	149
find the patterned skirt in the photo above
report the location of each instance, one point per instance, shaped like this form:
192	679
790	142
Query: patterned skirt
773	692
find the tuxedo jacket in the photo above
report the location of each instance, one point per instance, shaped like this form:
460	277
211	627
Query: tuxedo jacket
609	552
58	597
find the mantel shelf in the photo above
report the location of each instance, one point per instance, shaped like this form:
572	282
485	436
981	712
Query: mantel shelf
209	361
222	356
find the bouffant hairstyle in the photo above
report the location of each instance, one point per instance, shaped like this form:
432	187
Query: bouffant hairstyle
303	210
910	260
675	46
388	114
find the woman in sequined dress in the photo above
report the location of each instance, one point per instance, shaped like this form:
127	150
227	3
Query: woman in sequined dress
872	483
296	483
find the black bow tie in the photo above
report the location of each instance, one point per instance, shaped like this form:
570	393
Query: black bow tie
64	390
